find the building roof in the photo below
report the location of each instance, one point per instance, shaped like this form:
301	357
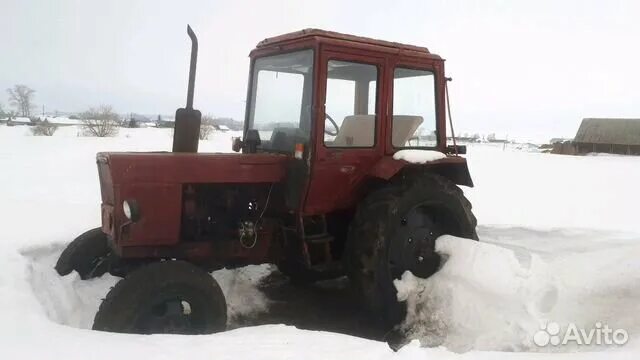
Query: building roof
559	140
609	131
62	120
21	120
339	36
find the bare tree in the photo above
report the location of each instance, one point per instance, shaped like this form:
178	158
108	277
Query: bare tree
12	114
100	122
21	97
44	128
206	127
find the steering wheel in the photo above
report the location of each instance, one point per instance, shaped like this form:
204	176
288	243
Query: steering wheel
329	132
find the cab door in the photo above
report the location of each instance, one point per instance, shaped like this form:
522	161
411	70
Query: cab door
348	128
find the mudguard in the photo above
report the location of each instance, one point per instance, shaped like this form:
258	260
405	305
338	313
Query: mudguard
453	168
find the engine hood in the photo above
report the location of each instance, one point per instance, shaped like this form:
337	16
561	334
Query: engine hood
179	168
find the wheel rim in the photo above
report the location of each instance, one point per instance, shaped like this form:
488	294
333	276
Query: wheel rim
170	315
412	247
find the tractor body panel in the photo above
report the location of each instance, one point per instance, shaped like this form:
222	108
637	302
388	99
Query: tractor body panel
453	168
185	168
160	185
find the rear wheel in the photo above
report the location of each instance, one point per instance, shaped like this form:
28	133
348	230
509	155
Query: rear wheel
395	229
173	297
86	254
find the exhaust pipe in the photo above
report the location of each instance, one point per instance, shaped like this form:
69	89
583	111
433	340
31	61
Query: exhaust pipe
187	120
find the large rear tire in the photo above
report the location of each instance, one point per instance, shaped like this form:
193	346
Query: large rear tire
165	297
86	254
394	230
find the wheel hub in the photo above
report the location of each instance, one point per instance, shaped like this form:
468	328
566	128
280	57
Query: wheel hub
413	246
171	316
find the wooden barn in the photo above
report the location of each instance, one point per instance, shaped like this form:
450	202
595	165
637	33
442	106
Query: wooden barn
614	136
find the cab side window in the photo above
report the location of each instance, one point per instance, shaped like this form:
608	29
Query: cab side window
350	105
414	108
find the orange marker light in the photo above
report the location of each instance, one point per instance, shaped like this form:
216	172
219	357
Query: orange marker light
299	151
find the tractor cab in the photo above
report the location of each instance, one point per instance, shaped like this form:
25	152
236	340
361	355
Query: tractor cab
322	90
344	105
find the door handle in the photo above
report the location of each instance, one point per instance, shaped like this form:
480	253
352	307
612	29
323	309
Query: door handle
347	169
335	155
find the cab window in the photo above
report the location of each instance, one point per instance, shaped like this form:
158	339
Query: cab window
414	108
350	106
280	108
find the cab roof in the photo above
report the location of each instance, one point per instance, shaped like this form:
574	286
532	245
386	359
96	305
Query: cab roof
323	35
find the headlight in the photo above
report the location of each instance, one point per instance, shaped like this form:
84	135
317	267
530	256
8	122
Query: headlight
131	210
127	209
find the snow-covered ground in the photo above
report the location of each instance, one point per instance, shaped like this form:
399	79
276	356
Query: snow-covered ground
560	242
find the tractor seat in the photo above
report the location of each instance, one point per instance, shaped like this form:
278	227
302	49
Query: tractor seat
358	130
404	128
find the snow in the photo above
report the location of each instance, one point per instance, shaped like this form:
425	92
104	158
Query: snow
494	294
415	156
510	297
553	191
72	301
560	241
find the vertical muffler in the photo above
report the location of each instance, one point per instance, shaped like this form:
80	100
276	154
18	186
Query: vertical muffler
187	121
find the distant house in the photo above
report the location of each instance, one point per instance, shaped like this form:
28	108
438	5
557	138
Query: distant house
139	118
223	128
19	121
228	122
614	136
62	121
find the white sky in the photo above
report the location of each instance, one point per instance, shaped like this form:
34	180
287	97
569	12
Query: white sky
523	68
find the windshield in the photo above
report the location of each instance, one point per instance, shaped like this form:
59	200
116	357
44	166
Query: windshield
280	107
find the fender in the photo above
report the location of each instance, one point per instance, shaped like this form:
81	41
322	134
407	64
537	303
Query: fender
453	168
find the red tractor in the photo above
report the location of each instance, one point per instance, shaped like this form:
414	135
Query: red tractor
316	189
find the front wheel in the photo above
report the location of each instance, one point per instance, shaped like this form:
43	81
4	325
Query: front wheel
395	230
173	297
87	254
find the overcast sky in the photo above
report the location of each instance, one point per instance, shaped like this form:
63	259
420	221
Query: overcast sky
523	68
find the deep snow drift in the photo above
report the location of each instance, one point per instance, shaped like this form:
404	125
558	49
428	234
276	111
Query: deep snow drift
484	297
560	242
72	301
495	296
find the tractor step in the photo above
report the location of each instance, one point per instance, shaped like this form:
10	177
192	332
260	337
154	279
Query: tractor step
328	267
319	239
319	249
327	271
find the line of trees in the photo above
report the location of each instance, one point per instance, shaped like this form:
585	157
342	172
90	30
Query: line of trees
101	121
